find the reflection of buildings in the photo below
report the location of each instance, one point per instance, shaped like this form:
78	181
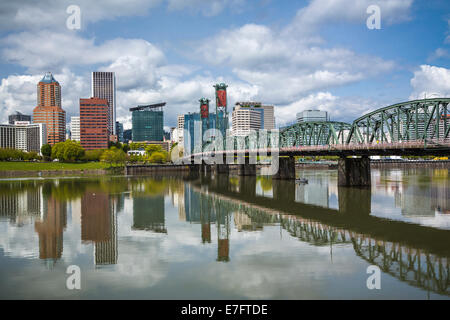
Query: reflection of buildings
20	206
99	225
51	228
148	214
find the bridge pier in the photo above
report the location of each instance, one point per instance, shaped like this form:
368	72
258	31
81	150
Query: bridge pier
354	172
221	169
286	168
247	169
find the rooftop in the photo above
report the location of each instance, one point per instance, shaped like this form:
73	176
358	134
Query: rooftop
48	78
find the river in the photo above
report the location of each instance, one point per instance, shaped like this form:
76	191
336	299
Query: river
226	237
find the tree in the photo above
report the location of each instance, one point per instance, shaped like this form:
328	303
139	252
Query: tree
114	156
68	150
108	157
158	157
46	151
72	151
153	148
93	155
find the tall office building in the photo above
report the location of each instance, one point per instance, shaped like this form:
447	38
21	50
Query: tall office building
312	115
104	87
246	118
75	128
193	131
119	131
18	117
23	136
148	122
180	129
94	132
269	117
49	109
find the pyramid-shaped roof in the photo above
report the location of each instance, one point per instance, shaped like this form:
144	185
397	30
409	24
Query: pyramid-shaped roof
48	78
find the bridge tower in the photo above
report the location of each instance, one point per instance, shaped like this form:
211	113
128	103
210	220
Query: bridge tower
221	109
204	115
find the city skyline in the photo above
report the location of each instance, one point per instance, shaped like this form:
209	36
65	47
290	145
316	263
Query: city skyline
296	57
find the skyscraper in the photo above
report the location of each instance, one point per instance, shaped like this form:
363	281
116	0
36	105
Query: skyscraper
148	122
49	109
104	87
94	132
119	131
75	128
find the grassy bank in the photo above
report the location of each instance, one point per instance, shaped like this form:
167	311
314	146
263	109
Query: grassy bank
42	166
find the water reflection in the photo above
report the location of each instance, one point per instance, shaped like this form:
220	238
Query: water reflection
382	225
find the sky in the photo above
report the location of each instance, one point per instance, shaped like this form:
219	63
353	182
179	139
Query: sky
296	55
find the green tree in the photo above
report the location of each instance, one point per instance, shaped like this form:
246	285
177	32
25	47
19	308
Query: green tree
46	151
153	148
93	155
158	157
73	151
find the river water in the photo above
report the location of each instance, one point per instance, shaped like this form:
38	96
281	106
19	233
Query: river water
226	237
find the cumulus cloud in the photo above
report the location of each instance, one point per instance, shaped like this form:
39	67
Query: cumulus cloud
344	109
26	14
430	81
283	66
337	11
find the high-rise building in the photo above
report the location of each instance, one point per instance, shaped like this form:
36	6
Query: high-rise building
18	117
75	128
94	133
23	136
127	135
119	131
104	87
49	109
269	118
312	115
193	131
148	122
246	118
180	129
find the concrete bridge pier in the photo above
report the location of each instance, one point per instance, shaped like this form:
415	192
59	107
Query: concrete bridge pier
247	169
221	168
354	172
286	168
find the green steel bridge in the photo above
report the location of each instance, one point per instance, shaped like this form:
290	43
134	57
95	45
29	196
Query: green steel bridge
418	127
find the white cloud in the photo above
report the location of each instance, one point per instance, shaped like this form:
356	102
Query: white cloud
337	11
283	66
24	14
339	108
431	81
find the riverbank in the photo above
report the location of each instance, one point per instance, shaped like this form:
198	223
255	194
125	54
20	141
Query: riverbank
33	169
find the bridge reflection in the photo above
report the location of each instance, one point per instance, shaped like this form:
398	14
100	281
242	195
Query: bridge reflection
416	254
397	250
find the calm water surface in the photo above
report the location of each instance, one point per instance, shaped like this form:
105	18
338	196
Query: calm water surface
226	237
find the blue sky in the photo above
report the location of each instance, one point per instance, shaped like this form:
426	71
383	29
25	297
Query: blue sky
297	55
